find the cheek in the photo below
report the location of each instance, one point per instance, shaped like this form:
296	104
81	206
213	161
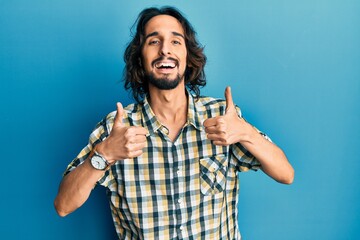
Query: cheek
145	57
146	63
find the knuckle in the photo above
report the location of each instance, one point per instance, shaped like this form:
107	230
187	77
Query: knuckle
205	123
129	130
223	135
220	119
128	133
127	147
222	129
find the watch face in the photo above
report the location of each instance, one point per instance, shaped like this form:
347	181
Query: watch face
98	163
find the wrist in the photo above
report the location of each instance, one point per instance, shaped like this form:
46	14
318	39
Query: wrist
101	150
248	132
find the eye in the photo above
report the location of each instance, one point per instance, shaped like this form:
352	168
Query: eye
154	42
176	42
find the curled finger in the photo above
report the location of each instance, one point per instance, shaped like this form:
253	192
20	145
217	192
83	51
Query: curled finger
136	153
216	137
214	130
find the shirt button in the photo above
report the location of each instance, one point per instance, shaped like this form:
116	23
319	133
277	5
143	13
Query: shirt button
166	130
178	172
181	228
179	201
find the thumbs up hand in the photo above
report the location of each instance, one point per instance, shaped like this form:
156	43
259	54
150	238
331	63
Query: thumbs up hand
123	141
227	129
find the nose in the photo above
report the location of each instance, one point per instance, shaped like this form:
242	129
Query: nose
165	49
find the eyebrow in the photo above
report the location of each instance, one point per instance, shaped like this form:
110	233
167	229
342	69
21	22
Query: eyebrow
157	33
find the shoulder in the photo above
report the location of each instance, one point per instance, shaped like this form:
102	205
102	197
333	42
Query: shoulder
132	115
131	109
210	106
210	102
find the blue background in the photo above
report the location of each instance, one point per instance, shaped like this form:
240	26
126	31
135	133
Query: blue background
294	68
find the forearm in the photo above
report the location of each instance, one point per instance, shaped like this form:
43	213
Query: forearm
76	187
273	160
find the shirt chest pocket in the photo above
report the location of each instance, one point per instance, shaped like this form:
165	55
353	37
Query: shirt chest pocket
213	174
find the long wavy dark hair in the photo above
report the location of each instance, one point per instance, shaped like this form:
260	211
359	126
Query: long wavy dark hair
134	73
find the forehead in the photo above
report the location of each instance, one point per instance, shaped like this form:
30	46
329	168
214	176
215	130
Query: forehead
163	24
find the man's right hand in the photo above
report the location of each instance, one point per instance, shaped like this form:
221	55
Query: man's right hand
123	141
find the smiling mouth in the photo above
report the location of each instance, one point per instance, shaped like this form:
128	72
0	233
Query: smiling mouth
165	65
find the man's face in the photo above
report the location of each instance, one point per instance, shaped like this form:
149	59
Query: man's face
164	52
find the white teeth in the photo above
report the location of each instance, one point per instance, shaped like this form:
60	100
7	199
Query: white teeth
165	64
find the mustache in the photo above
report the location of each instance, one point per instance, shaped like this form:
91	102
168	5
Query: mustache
163	58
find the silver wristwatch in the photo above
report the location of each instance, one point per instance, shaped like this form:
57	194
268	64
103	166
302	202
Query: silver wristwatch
98	161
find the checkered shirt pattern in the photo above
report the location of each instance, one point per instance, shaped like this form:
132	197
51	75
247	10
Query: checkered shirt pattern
186	189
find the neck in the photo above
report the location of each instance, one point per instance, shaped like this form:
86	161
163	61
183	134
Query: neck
169	106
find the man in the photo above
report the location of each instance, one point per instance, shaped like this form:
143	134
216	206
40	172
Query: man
170	161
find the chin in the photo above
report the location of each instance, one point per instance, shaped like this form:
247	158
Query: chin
164	82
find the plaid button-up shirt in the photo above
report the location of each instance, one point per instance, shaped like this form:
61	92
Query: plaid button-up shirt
186	189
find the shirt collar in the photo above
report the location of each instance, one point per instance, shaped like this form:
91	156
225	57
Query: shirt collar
151	123
193	114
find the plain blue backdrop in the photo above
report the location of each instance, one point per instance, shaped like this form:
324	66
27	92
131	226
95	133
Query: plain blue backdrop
294	69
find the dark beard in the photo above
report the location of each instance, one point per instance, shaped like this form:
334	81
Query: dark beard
164	83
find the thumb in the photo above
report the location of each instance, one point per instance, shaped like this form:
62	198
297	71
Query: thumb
229	101
119	114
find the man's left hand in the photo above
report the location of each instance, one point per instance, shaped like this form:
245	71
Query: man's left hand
227	129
